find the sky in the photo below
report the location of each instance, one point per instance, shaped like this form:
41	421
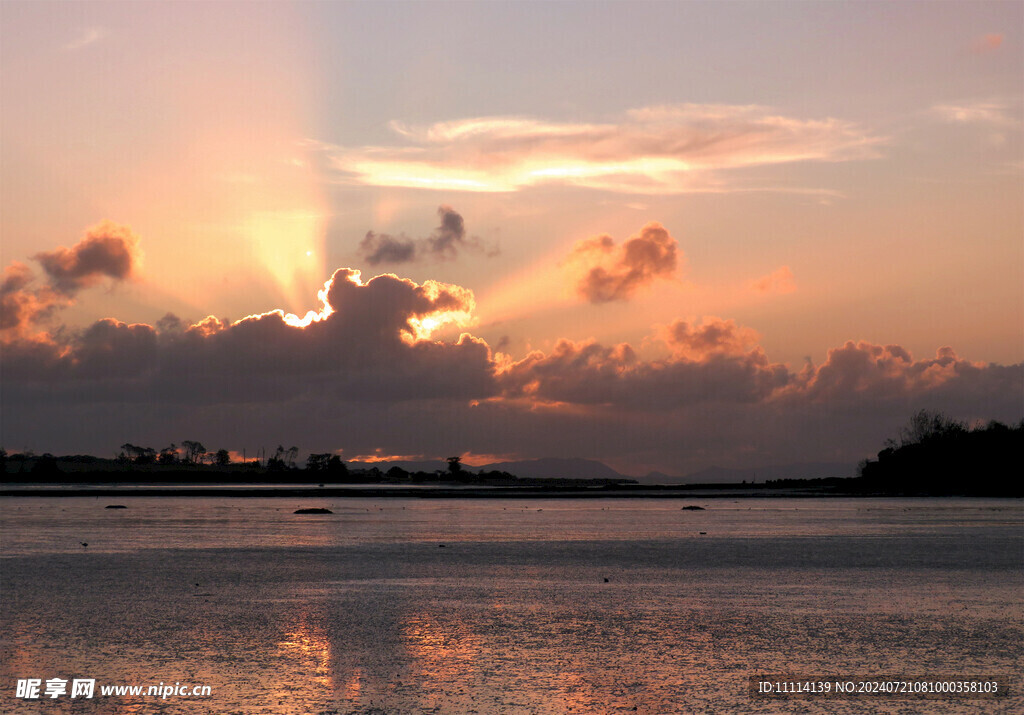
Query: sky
662	235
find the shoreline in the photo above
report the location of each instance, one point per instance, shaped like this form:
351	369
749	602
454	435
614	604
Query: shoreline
703	491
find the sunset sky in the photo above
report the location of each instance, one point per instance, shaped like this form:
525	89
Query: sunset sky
663	235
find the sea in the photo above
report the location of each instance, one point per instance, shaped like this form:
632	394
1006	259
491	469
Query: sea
403	605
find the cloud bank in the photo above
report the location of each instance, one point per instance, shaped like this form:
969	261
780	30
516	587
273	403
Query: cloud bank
367	372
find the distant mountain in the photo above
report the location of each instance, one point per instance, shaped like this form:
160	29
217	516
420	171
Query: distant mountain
575	468
550	468
554	468
807	470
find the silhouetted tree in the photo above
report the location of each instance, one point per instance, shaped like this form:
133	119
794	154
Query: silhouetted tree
45	465
455	466
924	426
276	463
937	455
336	468
139	455
318	462
223	458
194	451
168	455
397	472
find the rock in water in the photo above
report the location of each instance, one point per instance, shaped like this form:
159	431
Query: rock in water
315	510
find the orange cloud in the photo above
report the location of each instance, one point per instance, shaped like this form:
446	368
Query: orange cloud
777	282
652	150
987	43
608	272
108	250
713	336
21	306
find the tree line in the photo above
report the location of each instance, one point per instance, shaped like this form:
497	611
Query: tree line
936	455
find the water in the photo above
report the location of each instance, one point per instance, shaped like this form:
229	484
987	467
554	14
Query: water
362	610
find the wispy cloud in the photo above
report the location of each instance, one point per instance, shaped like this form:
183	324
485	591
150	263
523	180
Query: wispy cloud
86	36
652	150
779	281
992	113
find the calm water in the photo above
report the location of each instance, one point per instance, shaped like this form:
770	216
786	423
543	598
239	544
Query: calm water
362	611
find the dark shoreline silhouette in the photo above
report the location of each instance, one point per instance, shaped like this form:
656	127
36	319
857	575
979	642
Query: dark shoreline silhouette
933	456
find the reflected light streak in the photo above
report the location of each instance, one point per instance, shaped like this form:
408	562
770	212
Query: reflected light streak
440	656
311	647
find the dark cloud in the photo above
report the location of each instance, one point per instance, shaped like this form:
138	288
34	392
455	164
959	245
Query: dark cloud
367	372
592	374
381	248
369	342
445	243
108	250
608	272
865	372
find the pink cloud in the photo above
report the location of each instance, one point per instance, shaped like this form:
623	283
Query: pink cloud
713	336
608	272
778	282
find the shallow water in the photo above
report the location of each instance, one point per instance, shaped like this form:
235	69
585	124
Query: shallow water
361	611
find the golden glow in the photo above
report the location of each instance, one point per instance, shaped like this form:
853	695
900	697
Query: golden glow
379	455
425	327
652	150
539	288
275	237
312	316
473	459
415	175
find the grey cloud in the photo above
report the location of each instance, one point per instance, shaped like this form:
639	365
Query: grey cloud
445	243
108	250
382	248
